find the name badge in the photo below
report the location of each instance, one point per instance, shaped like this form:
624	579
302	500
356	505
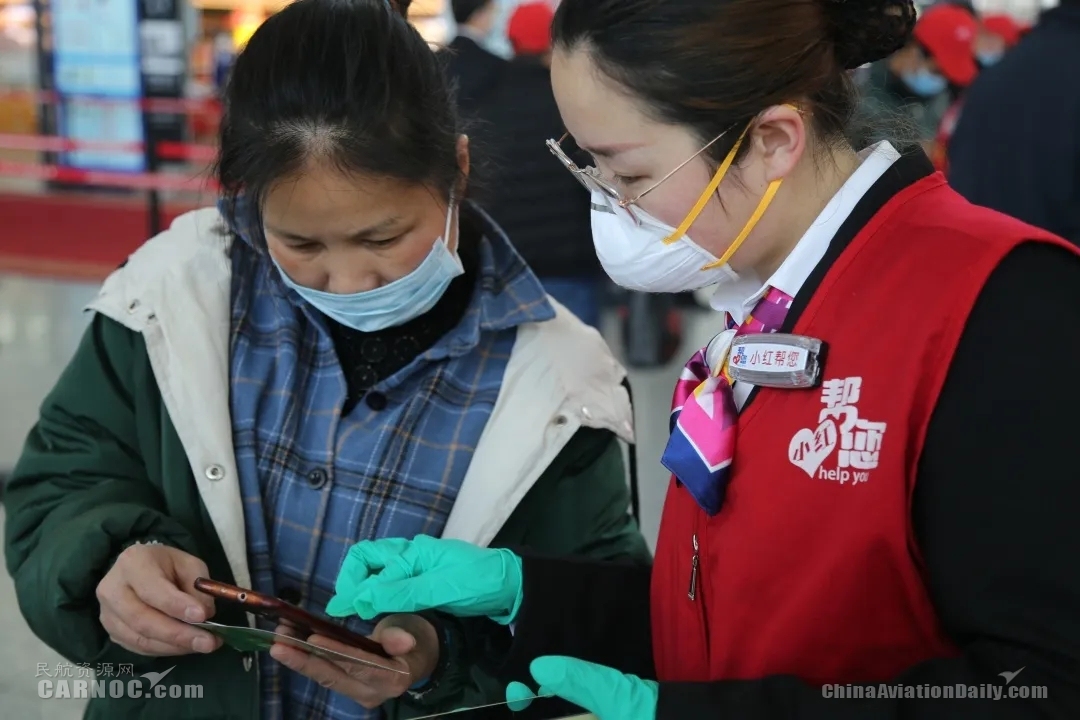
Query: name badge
777	360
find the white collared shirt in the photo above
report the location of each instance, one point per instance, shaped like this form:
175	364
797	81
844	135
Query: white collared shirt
740	296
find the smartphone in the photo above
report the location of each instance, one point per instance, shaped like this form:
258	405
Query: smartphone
277	610
542	708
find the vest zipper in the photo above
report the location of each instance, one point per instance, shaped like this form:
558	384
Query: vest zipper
692	594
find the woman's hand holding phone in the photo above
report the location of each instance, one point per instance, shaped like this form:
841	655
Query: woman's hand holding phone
148	597
410	640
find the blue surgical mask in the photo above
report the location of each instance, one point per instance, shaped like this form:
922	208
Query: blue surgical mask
395	303
986	59
924	83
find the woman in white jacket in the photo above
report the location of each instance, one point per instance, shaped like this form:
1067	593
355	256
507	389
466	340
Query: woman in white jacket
346	350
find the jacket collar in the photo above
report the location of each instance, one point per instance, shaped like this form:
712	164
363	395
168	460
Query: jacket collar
509	293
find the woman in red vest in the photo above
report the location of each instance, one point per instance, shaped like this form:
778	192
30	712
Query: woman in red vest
869	514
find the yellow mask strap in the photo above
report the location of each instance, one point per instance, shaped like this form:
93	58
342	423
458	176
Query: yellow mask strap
766	199
684	226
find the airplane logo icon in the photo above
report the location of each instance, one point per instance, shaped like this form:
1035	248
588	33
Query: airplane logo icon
1010	675
156	677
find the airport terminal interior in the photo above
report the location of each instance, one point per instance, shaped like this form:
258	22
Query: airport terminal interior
68	217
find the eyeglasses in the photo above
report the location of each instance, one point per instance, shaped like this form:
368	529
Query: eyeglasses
593	181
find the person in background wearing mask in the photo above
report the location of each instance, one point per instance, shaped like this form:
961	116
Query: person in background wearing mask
997	34
919	81
860	533
1017	146
474	70
543	209
346	349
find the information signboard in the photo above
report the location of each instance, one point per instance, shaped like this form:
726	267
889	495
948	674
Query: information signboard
95	47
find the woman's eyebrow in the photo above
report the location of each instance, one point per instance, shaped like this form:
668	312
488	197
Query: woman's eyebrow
609	151
373	229
379	227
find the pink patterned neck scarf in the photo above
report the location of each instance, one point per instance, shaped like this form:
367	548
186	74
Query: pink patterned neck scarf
704	416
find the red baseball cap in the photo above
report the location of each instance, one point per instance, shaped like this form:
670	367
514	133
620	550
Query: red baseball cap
948	34
1004	27
529	29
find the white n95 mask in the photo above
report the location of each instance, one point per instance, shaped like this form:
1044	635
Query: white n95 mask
635	256
641	253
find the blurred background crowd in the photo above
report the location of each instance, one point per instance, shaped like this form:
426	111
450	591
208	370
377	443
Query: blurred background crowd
115	99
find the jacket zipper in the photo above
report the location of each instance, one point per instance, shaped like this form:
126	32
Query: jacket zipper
692	594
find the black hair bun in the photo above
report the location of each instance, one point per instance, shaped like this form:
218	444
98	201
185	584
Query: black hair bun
401	7
863	31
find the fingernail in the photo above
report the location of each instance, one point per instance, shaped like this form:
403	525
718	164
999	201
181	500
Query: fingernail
202	644
194	614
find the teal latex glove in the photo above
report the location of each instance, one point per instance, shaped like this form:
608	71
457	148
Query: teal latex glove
401	576
606	693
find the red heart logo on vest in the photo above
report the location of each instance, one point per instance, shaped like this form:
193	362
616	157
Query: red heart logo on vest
809	448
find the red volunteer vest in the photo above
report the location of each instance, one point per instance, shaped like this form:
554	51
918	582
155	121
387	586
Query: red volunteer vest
811	567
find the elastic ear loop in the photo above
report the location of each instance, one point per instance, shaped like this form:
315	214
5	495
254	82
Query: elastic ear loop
766	199
684	226
770	192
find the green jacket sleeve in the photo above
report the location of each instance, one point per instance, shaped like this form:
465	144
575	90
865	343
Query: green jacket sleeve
579	506
79	494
